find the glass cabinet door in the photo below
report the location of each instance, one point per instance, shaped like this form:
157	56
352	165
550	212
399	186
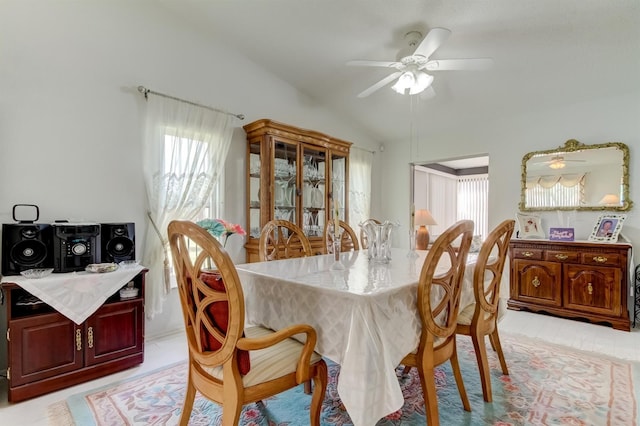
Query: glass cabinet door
255	171
338	182
284	179
314	191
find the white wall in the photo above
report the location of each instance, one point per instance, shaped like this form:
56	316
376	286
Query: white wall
70	113
506	142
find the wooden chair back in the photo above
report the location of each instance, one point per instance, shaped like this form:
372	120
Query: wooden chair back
481	318
489	269
438	305
219	364
439	293
281	239
348	239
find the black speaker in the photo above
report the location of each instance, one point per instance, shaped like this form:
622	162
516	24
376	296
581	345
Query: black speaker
74	246
117	242
26	246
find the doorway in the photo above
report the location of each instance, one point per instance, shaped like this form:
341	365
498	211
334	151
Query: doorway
452	190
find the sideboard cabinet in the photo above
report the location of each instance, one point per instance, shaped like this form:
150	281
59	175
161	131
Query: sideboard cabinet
47	351
571	279
296	175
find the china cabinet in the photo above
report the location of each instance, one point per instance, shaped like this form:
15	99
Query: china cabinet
48	351
294	174
583	280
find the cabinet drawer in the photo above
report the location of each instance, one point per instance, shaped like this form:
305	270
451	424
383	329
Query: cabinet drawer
601	259
526	253
561	256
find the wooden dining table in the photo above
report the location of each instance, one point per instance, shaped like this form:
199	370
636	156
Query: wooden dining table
365	315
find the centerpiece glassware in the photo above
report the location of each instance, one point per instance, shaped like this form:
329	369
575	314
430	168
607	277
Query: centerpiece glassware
379	238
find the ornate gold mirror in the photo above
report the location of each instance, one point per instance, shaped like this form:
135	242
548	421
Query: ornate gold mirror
576	177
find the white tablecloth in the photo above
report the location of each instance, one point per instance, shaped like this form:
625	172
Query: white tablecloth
76	295
366	317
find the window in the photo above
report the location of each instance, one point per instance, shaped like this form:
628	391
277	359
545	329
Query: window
555	191
180	155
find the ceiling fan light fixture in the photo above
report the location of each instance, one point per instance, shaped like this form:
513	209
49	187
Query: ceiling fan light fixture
423	81
557	164
413	81
405	81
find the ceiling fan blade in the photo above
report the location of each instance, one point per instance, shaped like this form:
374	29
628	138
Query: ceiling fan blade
386	64
388	79
476	64
432	41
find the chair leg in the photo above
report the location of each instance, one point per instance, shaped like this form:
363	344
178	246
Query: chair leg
455	366
319	388
231	412
483	366
406	370
495	338
188	404
428	381
307	387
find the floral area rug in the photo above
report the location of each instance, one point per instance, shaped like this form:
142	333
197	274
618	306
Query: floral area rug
547	385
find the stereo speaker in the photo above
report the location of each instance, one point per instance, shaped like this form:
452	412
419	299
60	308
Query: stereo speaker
117	242
74	246
26	246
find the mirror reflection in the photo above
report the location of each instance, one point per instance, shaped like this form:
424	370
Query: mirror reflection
576	177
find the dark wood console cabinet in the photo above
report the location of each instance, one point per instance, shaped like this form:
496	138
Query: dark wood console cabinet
47	351
571	279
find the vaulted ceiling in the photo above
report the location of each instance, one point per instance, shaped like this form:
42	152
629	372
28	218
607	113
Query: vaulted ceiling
545	52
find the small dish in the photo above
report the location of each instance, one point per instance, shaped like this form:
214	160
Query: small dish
101	267
128	293
36	273
129	263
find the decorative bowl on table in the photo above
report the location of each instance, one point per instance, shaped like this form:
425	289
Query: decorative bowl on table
128	293
101	267
36	273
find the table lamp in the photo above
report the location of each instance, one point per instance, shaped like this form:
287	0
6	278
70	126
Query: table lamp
423	219
610	200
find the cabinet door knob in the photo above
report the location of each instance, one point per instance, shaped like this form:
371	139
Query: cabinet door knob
90	337
560	256
536	282
599	259
78	339
590	288
527	254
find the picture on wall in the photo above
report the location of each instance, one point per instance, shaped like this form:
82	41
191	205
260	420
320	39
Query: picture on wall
530	226
607	228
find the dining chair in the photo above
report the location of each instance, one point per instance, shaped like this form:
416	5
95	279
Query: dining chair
228	363
438	305
281	239
364	243
480	319
348	239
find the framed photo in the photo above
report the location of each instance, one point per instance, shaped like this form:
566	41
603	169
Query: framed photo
530	226
561	234
607	228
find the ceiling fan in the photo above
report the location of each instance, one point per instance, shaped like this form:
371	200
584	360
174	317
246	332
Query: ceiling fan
559	162
411	70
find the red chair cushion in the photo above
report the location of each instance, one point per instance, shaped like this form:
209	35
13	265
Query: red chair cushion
219	312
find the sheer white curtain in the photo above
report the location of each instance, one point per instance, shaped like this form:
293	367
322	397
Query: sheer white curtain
360	162
184	149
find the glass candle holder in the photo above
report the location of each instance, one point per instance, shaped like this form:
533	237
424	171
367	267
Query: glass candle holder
412	244
336	265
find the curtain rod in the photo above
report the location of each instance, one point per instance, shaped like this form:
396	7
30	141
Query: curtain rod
363	149
146	91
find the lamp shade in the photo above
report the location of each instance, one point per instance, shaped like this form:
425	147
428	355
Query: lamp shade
423	217
610	200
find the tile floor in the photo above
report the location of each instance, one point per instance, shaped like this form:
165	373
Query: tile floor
169	349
